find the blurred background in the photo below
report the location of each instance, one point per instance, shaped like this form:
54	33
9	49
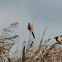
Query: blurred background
48	13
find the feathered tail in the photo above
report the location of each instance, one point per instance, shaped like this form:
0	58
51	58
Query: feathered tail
33	34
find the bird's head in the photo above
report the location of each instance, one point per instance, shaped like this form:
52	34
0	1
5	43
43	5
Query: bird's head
28	23
56	38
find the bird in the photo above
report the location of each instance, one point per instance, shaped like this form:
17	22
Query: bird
30	28
58	39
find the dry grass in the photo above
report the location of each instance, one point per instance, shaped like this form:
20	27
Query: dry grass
52	54
45	52
6	42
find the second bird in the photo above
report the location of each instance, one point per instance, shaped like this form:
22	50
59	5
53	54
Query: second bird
58	39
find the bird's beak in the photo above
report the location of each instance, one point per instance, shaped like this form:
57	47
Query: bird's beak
55	38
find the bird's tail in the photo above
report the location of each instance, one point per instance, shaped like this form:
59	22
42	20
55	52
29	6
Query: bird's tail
33	34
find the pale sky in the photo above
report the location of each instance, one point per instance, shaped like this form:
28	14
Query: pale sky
48	13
